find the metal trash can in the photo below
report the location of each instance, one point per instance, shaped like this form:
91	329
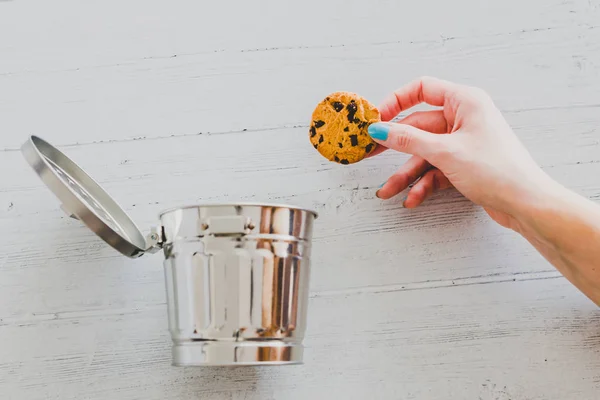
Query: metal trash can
236	275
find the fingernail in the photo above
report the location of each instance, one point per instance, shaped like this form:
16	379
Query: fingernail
380	186
379	131
403	200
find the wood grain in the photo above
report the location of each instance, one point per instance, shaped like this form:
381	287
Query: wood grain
168	104
498	341
221	92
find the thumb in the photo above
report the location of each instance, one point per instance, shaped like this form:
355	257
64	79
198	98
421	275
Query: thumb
406	139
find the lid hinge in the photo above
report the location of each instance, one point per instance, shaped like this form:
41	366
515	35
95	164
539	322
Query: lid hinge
154	240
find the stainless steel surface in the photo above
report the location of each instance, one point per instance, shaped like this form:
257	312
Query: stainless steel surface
69	213
83	199
236	275
241	203
237	279
154	241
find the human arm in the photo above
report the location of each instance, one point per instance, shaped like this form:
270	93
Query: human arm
466	143
565	228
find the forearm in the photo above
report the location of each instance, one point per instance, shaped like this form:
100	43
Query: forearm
565	228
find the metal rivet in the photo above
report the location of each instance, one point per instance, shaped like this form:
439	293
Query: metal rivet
251	225
204	226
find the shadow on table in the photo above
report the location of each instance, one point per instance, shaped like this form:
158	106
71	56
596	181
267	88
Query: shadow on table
233	382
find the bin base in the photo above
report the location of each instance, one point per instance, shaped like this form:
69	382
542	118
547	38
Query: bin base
215	353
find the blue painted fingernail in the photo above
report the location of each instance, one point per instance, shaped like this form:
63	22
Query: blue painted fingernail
380	186
403	200
379	131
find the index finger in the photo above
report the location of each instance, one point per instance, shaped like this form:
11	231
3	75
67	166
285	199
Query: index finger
432	91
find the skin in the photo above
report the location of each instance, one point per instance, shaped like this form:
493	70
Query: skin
466	143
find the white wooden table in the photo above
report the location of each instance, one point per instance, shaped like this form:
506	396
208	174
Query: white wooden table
170	103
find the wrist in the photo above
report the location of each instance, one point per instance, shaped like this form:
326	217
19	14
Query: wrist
538	199
565	228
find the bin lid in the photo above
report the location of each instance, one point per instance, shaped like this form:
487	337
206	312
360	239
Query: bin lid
85	199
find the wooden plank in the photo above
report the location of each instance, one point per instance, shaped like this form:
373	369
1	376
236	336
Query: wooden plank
494	341
431	303
361	243
229	92
77	35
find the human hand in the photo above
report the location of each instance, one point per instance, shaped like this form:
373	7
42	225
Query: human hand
466	144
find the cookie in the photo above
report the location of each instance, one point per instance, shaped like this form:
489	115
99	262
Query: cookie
339	127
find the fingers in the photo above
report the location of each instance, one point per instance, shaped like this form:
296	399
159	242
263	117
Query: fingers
433	181
432	91
408	139
407	174
430	121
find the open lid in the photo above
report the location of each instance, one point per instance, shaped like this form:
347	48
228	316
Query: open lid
84	198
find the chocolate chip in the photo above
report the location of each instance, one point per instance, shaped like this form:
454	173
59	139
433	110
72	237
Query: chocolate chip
356	120
341	145
369	147
344	161
319	124
337	106
336	159
321	139
313	131
361	125
351	111
354	140
315	145
346	129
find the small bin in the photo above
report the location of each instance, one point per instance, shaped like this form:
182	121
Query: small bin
236	275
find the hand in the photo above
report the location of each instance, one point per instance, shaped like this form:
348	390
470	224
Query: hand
466	144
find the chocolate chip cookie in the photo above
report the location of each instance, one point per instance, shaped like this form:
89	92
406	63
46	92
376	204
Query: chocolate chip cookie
339	127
